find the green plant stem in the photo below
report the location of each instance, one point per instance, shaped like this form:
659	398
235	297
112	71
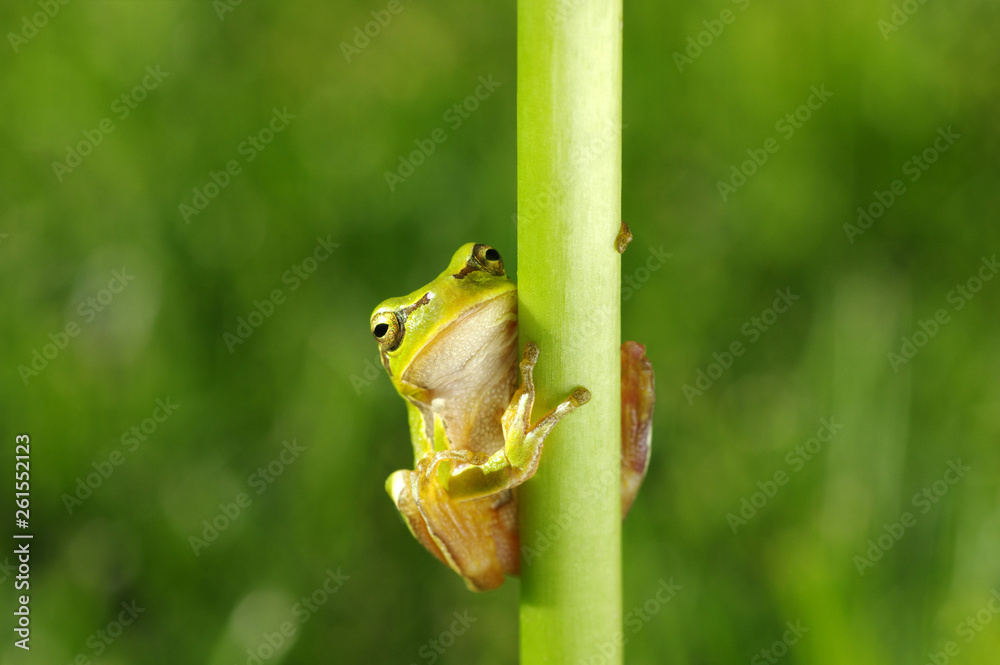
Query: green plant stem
569	212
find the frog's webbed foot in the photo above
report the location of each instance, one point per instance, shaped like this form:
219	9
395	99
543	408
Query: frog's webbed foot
637	419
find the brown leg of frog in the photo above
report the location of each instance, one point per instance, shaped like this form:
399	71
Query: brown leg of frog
637	419
478	539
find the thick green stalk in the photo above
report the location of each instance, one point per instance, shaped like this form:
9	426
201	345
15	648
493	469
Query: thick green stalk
569	212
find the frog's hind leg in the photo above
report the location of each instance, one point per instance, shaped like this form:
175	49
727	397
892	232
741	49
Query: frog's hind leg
637	419
398	486
477	538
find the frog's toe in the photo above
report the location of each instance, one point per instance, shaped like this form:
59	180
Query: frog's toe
579	397
530	353
428	466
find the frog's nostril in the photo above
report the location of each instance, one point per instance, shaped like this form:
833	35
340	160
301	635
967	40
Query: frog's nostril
380	330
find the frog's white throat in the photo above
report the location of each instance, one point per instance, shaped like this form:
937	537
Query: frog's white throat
465	354
469	372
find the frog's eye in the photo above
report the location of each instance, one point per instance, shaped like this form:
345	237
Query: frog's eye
489	259
387	330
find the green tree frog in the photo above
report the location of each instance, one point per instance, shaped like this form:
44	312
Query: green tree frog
450	349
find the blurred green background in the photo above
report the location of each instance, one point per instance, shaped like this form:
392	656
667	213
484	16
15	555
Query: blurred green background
308	375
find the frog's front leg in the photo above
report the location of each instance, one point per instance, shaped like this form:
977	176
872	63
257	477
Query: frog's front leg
518	459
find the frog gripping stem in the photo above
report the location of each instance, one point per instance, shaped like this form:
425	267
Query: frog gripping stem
523	442
451	351
459	504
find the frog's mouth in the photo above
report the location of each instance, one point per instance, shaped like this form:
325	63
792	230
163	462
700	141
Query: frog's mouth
470	353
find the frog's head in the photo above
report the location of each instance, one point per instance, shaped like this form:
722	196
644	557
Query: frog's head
451	331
